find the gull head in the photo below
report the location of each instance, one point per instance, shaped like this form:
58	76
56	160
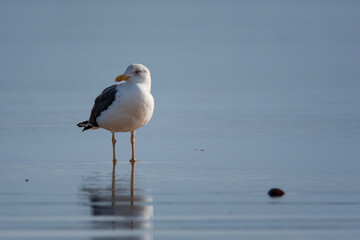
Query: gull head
135	73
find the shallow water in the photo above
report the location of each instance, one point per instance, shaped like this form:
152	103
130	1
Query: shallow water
249	96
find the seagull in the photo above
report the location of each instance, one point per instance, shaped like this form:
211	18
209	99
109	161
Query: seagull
123	107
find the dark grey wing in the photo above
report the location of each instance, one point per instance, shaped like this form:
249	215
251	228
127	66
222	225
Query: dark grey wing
102	102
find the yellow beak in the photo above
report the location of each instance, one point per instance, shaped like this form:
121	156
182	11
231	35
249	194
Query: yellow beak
121	78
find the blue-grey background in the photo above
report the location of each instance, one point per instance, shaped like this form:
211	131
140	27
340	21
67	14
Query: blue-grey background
249	95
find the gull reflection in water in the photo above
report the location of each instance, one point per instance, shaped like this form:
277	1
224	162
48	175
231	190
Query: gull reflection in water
120	207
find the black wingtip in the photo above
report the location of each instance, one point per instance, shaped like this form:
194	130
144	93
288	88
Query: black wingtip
87	127
82	124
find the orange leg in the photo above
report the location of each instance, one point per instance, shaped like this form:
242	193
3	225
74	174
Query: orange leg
113	144
132	139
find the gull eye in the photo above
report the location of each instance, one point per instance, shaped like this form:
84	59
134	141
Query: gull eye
137	71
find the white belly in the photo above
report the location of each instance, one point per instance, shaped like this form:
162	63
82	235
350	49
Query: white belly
133	108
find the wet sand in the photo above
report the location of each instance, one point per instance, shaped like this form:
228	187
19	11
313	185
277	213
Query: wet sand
192	181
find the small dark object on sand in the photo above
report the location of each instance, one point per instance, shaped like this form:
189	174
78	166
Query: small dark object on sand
26	180
276	192
201	149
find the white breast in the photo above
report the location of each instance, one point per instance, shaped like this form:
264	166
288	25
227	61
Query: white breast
133	108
